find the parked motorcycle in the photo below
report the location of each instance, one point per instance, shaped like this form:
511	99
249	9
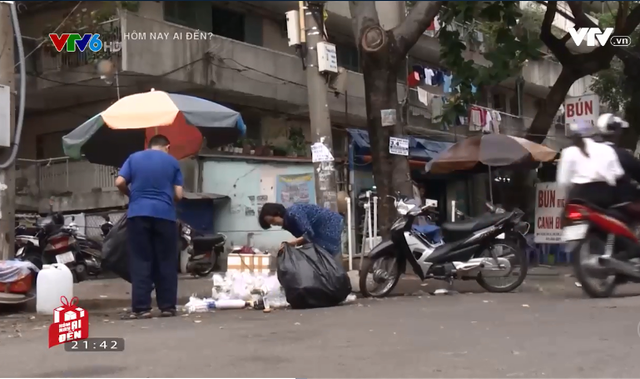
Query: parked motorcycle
59	245
203	250
471	251
604	248
89	249
27	245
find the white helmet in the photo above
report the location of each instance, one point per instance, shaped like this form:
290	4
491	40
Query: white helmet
608	124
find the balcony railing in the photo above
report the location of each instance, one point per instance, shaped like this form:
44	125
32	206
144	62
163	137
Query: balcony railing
44	58
48	177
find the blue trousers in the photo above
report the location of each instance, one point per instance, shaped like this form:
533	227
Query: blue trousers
153	260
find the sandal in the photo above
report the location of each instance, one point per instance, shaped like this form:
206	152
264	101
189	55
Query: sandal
168	313
136	315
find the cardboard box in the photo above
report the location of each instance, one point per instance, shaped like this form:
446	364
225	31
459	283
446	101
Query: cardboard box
254	263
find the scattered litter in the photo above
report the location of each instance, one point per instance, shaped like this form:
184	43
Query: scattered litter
515	352
197	321
32	317
485	301
578	284
237	290
297	323
424	284
525	305
103	296
441	291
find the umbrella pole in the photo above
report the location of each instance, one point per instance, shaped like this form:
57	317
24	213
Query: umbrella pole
117	85
490	186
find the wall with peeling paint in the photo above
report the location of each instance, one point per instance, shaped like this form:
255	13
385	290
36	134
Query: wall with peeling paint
249	184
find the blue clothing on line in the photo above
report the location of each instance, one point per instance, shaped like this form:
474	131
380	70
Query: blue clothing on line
152	175
318	225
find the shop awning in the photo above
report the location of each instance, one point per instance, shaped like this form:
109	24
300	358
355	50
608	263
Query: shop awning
419	148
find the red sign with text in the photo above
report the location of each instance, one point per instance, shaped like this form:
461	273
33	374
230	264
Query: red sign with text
70	323
549	207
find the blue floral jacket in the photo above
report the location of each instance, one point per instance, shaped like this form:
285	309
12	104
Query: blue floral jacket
318	225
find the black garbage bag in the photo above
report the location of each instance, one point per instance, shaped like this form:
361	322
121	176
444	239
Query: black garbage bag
115	250
311	277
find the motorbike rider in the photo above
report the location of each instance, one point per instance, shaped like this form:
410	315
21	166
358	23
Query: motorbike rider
611	128
588	169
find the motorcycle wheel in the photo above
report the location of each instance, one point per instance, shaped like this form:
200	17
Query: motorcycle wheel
521	258
80	273
372	267
583	259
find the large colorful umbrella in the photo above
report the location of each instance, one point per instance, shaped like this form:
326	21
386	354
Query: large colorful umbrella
490	150
125	127
493	150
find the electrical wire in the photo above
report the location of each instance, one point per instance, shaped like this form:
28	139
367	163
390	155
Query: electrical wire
23	90
121	86
54	30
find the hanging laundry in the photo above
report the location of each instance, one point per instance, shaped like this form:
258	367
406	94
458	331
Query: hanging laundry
436	108
486	126
413	79
447	82
435	24
496	119
428	76
476	118
423	96
420	70
438	78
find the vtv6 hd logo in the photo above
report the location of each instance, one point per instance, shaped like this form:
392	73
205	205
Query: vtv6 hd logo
72	41
592	34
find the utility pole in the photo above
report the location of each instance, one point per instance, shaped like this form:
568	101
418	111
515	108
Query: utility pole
311	13
7	176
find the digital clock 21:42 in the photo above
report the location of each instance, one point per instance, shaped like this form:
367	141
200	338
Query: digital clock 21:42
96	344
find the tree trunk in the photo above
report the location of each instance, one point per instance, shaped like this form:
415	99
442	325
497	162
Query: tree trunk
391	172
544	117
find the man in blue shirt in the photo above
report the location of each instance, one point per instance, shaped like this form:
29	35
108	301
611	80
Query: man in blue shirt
153	181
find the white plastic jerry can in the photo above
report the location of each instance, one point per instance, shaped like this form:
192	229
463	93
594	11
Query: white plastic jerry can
54	281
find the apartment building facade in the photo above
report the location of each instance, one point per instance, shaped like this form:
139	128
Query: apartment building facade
244	62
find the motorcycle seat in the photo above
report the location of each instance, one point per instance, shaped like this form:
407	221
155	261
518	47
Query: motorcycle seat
469	226
206	242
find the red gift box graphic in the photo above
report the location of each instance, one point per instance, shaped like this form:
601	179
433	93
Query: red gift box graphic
70	323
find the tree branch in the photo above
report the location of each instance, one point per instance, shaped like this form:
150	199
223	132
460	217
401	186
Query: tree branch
364	15
557	47
409	31
580	19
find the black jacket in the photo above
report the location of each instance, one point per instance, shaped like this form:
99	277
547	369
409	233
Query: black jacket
627	189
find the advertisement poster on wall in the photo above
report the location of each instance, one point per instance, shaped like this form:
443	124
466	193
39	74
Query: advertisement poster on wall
549	206
294	189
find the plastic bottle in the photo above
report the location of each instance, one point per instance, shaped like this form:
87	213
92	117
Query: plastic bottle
230	304
54	281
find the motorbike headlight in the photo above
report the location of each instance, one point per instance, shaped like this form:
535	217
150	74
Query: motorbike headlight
403	209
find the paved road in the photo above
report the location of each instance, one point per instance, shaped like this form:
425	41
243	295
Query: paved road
528	334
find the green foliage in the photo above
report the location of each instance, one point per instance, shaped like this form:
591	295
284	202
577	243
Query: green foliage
612	85
506	51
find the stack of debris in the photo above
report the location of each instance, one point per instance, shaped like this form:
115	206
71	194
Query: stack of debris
237	290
